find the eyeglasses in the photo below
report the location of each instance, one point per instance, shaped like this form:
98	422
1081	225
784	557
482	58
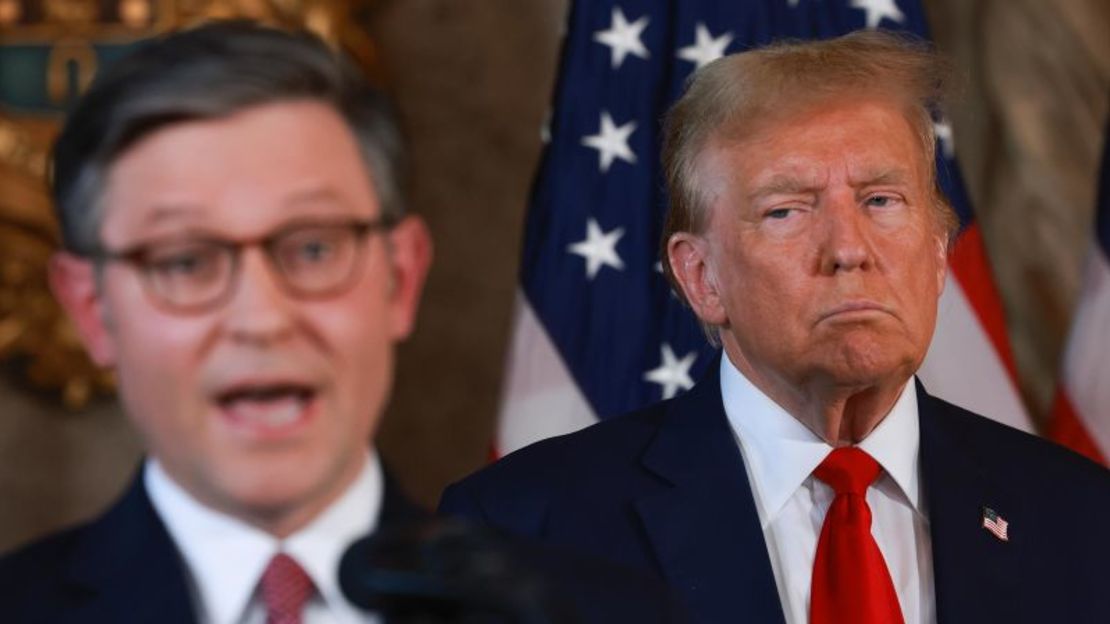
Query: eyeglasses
313	260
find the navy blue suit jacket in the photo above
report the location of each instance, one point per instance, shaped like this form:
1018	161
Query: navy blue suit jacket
665	489
124	568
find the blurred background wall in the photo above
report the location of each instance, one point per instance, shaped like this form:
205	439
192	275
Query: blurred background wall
472	80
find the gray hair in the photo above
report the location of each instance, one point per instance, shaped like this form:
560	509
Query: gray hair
208	72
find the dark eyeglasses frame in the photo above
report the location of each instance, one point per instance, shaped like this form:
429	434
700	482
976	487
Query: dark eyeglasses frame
138	257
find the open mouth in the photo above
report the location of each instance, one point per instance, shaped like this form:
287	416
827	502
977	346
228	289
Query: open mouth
273	406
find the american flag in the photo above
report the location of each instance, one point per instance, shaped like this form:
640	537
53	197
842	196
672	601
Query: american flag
1081	413
995	524
598	331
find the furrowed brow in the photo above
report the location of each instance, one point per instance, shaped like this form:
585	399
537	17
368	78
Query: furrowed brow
782	184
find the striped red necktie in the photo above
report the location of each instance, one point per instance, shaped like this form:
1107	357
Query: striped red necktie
285	590
851	582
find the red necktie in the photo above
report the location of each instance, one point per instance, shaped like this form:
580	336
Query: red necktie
285	590
851	582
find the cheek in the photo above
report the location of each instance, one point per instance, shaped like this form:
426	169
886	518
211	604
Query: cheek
766	279
922	285
357	333
156	350
158	370
763	302
362	371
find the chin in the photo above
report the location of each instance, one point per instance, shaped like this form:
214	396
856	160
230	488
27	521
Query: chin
869	362
270	478
278	508
269	490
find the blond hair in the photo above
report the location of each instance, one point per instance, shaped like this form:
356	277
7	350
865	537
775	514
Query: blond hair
746	91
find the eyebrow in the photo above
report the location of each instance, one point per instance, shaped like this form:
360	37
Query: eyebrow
786	184
165	212
885	176
313	194
169	211
319	196
783	184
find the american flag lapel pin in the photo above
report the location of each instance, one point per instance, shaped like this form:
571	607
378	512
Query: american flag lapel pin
996	524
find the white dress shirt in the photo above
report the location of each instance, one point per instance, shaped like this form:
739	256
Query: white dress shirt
780	455
225	557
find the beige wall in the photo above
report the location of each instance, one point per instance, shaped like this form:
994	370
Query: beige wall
472	80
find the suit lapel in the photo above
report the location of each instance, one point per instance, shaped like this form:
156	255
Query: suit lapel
705	531
126	569
704	527
974	571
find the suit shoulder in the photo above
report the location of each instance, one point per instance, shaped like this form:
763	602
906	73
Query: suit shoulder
41	553
28	573
1041	464
586	450
521	484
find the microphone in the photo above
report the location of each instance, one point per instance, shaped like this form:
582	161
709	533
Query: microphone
445	571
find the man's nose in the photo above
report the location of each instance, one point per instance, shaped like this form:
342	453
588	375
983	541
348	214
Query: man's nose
846	242
259	309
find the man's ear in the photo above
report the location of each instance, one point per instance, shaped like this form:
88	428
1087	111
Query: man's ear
412	254
943	248
74	282
689	260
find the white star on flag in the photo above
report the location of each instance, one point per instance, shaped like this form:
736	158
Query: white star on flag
878	9
623	38
599	248
943	130
706	48
611	142
673	374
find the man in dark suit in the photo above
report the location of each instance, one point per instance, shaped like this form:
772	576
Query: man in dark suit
808	477
237	251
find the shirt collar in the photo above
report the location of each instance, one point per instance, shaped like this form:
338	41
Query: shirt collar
781	453
896	444
225	557
320	545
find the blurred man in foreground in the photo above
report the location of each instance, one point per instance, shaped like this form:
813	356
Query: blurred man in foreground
809	477
236	250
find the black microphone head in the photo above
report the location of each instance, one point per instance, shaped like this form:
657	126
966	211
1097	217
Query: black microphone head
446	571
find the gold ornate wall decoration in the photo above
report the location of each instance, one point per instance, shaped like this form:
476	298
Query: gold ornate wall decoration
35	338
49	52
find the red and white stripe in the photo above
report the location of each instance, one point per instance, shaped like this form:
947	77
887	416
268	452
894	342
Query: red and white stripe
1081	413
539	399
996	525
970	362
